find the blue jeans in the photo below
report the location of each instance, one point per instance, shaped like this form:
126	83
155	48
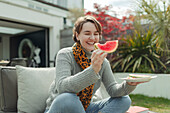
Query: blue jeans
70	103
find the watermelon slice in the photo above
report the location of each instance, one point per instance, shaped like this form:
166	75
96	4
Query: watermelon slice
109	46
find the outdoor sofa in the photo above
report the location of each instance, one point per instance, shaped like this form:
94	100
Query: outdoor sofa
25	89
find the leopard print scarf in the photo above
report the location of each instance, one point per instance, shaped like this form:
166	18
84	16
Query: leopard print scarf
80	56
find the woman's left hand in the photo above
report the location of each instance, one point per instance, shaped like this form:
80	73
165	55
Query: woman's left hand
134	83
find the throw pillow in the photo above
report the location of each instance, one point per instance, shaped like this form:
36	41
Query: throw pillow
33	85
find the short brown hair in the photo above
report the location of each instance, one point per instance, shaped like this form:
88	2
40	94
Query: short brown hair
81	21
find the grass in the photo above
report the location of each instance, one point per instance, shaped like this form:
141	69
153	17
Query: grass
156	104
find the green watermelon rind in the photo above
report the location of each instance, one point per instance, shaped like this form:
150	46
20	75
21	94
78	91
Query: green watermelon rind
96	47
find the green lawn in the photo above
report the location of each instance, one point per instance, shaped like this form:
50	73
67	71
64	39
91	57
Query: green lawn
156	104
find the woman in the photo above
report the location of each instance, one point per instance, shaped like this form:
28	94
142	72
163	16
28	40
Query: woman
80	69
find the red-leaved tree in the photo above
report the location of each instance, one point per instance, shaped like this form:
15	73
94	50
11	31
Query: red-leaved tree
112	27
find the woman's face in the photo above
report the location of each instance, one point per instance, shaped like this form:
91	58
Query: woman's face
88	36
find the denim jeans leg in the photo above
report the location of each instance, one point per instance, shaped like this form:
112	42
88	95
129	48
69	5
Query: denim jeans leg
66	103
110	105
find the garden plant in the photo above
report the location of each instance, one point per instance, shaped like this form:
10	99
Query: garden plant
137	51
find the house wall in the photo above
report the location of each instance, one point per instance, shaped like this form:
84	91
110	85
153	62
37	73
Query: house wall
36	13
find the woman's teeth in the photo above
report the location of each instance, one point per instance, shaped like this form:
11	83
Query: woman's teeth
91	43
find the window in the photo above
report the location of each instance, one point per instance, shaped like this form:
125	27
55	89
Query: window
62	3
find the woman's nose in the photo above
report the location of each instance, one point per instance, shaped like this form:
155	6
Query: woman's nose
92	37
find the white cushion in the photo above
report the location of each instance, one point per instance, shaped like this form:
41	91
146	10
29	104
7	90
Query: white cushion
33	85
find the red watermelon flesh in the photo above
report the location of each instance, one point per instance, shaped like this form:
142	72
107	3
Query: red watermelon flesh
109	46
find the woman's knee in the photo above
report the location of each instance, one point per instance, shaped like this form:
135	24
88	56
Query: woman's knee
123	102
67	102
65	98
126	100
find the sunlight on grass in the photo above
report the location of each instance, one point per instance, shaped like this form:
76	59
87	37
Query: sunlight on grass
156	104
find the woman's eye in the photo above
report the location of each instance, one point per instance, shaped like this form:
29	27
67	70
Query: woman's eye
87	34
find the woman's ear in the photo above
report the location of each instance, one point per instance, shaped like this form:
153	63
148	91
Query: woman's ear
77	36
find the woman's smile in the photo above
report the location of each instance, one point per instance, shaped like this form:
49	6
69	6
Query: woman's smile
90	43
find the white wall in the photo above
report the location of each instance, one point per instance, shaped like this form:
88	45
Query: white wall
157	87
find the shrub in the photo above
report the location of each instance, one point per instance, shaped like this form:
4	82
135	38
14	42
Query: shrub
139	50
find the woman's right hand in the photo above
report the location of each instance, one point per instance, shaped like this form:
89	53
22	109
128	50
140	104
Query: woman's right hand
97	59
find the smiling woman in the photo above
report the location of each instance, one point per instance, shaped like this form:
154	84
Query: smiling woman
80	70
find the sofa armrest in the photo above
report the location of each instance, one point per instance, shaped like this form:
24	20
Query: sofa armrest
8	89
